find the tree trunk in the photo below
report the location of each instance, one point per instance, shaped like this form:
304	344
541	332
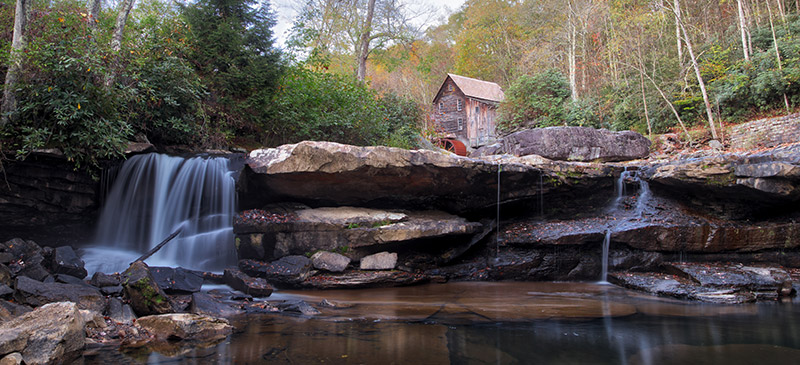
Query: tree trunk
709	111
116	38
573	86
94	12
363	52
743	30
21	17
777	52
669	103
641	85
119	27
677	11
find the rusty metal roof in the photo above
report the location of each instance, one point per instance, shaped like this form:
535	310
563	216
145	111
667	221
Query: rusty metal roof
478	89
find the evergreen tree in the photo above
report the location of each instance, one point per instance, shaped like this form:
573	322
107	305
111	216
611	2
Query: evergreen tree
233	52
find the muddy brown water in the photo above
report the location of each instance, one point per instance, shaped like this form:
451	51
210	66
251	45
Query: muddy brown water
494	323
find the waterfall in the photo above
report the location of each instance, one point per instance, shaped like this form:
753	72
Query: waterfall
622	214
155	195
606	244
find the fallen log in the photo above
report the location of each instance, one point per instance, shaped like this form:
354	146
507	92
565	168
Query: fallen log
159	246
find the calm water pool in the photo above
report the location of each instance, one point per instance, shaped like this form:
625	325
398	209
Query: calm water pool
497	323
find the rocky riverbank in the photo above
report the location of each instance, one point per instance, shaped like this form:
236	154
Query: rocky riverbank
711	226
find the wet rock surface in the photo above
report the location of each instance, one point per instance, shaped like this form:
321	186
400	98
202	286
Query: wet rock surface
362	279
712	282
36	293
249	285
733	185
207	305
46	189
185	326
52	333
176	280
303	230
145	296
286	271
66	261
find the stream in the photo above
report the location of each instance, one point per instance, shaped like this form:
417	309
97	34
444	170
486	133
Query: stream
494	323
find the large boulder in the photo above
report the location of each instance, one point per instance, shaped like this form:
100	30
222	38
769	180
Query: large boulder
333	174
711	282
36	293
207	305
66	261
52	333
379	261
302	230
177	280
246	284
330	261
185	326
285	272
572	144
145	296
20	249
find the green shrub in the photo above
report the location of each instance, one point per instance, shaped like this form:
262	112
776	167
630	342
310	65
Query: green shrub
535	101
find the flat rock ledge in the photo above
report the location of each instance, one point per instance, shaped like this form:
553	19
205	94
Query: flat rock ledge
721	283
278	231
333	174
732	185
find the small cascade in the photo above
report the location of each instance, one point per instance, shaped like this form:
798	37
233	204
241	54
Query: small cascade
155	195
623	213
620	188
604	271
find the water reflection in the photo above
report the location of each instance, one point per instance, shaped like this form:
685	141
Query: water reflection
500	323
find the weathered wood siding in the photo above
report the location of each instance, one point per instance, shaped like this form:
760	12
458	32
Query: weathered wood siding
477	117
480	122
447	116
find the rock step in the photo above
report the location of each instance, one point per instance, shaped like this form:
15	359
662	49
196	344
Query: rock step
711	282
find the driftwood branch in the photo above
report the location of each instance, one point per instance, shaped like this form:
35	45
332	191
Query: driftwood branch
159	246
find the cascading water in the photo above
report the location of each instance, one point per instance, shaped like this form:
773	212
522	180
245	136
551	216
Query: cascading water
155	195
606	244
621	214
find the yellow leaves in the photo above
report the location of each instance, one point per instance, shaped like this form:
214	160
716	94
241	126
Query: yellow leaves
79	106
60	20
89	69
49	88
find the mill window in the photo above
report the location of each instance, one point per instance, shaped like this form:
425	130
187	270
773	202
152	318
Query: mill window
460	104
460	124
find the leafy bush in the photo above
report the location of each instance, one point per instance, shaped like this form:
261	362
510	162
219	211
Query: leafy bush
62	102
584	113
321	106
535	101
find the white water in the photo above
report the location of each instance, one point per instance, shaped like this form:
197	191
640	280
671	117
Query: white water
606	244
621	214
155	195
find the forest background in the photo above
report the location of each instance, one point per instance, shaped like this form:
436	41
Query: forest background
88	77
